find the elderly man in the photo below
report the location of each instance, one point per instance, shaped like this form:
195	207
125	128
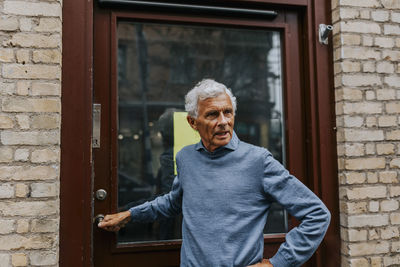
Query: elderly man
224	189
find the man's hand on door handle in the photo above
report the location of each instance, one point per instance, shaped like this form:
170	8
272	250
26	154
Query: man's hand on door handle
114	222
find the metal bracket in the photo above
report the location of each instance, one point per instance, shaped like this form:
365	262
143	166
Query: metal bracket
323	33
96	126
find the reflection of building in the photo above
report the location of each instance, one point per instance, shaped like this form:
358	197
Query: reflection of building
173	58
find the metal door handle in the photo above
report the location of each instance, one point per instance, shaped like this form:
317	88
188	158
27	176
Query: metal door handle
98	219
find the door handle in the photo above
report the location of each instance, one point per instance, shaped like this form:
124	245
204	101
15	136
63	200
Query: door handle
98	219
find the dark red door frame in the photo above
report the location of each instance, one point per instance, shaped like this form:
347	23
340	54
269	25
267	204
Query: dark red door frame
76	155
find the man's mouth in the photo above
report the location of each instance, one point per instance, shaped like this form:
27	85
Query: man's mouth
222	134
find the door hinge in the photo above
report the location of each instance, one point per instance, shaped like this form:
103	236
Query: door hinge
96	125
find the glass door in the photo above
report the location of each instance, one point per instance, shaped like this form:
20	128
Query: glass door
157	65
145	63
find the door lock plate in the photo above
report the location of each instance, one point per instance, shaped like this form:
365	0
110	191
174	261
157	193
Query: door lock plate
101	194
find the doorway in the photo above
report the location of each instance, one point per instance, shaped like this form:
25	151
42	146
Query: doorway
144	64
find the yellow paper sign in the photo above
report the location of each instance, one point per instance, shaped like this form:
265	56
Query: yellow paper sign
183	134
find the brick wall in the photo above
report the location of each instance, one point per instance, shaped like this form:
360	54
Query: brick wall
366	45
30	69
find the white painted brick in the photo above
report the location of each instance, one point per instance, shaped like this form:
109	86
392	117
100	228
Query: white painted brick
391	4
391	55
389	232
43	88
35	40
359	53
46	121
28	208
49	25
6	55
19	259
348	13
367	40
44	190
385	149
393	135
22	226
23	121
23	87
6	226
360	27
388	177
363	135
360	3
396	17
4	260
8	24
350	39
45	225
357	235
25	24
393	107
353	121
387	121
21	154
384	42
385	67
355	149
361	80
23	56
380	15
6	154
31	105
21	190
355	177
394	191
389	205
6	191
393	81
395	163
20	71
362	108
366	192
361	249
32	8
373	206
391	29
46	56
29	138
45	155
43	258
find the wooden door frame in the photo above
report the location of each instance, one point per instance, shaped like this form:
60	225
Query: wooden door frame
76	152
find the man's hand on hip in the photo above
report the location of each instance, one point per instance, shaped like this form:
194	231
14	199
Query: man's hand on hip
264	263
114	222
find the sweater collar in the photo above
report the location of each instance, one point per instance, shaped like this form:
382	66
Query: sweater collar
232	145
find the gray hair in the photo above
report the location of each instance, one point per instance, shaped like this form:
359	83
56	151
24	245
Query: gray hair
206	88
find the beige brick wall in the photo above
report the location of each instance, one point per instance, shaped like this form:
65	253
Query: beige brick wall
30	73
366	45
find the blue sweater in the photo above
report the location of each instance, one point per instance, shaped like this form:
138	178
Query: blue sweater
225	197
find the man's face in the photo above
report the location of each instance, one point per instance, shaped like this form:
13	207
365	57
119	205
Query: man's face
214	122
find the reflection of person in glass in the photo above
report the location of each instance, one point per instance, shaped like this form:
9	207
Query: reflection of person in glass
165	175
224	189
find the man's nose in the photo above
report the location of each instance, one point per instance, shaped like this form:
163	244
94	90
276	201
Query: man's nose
222	120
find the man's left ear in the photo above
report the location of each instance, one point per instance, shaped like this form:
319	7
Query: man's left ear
192	122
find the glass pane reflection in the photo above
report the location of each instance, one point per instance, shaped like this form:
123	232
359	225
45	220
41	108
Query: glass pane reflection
157	65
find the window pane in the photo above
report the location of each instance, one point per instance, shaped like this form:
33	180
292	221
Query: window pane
157	65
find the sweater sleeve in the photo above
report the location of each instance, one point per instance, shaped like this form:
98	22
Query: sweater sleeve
165	206
302	241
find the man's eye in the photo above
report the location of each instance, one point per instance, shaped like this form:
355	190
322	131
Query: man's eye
212	115
228	112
